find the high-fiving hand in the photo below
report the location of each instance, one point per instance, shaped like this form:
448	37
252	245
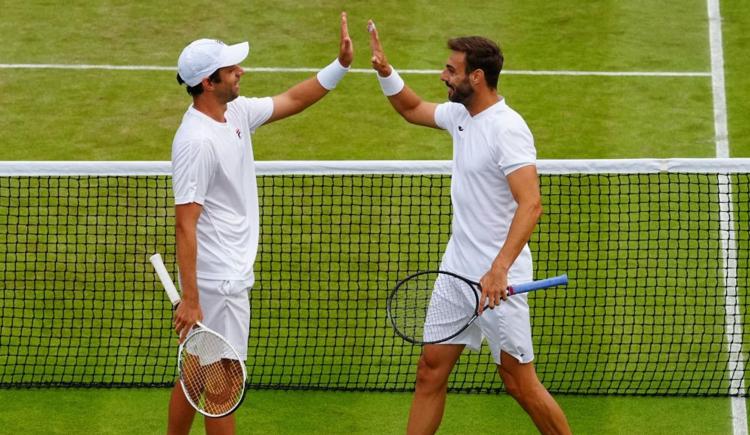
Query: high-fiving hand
346	48
379	61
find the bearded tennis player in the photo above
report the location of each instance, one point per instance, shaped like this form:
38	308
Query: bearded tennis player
496	205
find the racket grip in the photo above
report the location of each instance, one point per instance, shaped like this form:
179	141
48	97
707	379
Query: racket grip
539	284
165	279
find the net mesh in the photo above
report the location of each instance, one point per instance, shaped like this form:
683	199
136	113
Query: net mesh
655	305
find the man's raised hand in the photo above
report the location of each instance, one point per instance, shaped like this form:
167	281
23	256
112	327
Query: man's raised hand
379	61
346	49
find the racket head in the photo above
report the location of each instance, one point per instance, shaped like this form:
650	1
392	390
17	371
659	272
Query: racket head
416	321
212	373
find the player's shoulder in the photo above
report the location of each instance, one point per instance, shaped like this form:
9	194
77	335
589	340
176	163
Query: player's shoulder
449	114
193	126
195	130
255	109
503	109
248	103
453	110
508	118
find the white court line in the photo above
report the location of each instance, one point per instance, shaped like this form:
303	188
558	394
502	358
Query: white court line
733	316
717	79
359	70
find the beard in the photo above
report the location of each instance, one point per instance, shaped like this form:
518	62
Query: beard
462	93
229	95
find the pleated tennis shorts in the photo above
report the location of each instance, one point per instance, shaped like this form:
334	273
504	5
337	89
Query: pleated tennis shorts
226	310
506	328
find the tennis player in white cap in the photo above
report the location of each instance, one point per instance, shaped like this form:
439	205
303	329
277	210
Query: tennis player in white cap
215	192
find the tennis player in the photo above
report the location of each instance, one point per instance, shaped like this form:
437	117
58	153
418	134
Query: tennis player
215	192
496	206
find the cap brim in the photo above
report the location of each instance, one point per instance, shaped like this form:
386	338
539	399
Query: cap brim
234	54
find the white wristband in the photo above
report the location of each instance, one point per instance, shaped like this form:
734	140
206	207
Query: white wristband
391	85
330	76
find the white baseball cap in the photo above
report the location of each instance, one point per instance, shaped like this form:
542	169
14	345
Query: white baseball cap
202	57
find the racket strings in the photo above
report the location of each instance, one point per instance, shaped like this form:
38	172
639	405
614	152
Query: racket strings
409	306
211	373
431	306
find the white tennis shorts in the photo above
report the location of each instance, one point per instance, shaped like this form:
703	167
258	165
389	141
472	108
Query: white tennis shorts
507	327
226	310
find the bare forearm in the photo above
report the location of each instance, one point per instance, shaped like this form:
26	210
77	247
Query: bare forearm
189	310
521	228
305	94
187	253
297	98
405	102
495	282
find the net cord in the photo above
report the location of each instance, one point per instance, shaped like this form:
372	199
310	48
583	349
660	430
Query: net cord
412	167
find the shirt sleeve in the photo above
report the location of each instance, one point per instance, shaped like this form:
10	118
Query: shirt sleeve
445	116
516	148
256	111
193	164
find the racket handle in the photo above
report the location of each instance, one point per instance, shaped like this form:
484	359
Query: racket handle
539	284
165	279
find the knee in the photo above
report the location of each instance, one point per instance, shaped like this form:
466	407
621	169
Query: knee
523	388
512	387
430	375
530	395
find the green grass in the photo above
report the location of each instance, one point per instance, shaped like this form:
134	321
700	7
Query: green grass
132	115
566	35
277	412
736	16
353	123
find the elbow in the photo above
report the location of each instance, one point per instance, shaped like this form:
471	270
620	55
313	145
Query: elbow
411	118
536	210
186	219
407	116
180	228
403	112
407	112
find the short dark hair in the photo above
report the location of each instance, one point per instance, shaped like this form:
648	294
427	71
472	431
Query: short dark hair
481	53
198	89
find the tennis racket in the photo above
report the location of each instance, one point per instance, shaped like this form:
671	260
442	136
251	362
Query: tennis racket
212	373
417	321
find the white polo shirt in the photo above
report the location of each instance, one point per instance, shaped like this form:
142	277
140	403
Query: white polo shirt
486	148
213	165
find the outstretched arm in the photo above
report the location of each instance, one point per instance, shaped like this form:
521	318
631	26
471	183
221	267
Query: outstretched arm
406	102
303	95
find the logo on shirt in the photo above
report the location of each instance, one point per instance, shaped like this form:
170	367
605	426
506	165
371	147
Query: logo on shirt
460	128
239	133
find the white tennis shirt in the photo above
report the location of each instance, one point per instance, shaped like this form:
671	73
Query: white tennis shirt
486	148
213	165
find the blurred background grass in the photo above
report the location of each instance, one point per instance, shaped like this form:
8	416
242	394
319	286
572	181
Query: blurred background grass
132	115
